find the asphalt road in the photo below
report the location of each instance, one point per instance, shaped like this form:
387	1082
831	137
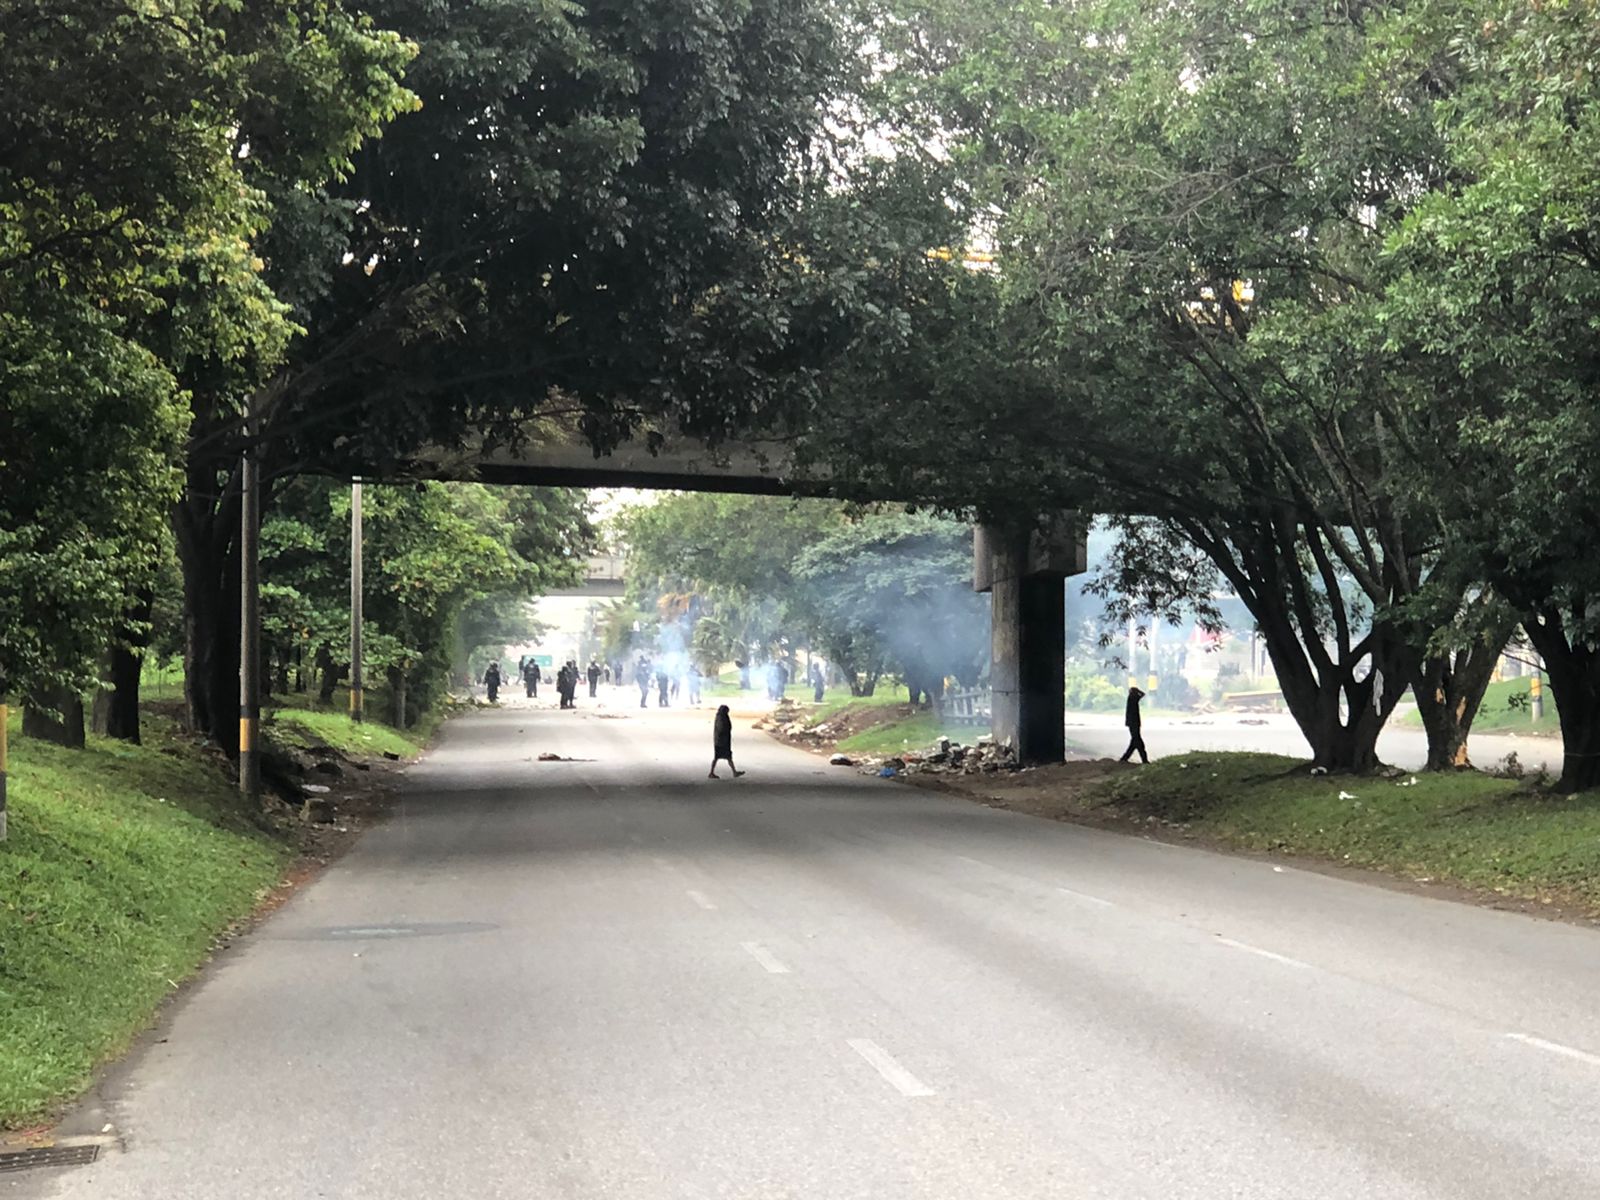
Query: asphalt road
615	978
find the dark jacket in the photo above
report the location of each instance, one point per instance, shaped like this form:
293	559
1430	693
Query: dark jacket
1131	717
722	735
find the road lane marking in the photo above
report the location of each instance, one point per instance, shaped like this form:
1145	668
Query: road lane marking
764	956
701	899
1086	897
1584	1056
902	1080
1278	958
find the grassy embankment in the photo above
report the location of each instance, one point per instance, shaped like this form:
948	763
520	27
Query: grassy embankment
292	720
1497	835
1505	710
123	865
883	723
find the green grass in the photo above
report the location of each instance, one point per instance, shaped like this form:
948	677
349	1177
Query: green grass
913	733
1463	828
123	864
1497	714
303	727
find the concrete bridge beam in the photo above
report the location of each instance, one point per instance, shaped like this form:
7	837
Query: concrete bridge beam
1024	570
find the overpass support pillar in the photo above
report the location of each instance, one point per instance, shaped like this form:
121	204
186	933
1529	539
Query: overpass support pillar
1024	569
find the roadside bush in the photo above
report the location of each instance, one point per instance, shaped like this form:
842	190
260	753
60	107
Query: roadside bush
1093	693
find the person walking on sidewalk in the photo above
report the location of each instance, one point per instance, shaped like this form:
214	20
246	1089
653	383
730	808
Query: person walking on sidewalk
722	743
1131	720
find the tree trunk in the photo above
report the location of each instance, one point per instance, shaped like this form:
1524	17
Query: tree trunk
397	698
116	709
206	535
63	730
1448	690
331	674
1338	714
1445	726
1574	672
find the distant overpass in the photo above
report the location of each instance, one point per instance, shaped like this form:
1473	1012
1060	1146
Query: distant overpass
602	577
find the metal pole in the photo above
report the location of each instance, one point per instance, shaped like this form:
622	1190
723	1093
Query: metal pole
358	704
1536	695
249	616
5	716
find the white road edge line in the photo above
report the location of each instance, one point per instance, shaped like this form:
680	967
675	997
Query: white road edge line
1279	958
1584	1056
764	956
1085	896
701	899
902	1080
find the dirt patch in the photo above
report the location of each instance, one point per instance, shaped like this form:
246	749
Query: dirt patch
1058	791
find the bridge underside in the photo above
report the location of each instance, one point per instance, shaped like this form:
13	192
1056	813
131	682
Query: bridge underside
751	468
1023	569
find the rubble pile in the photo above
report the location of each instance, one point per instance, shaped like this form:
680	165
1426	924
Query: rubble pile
789	720
944	757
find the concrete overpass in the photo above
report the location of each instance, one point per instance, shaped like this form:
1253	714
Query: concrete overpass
757	467
1024	569
603	577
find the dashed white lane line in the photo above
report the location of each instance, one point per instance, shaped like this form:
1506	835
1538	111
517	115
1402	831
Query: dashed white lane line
765	957
1257	950
701	899
902	1080
1583	1056
1085	897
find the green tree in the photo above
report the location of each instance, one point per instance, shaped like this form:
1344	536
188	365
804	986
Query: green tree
897	589
1189	205
118	183
546	247
875	591
445	563
1493	288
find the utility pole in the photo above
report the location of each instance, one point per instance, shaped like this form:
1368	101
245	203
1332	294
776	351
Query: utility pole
1536	696
249	614
358	704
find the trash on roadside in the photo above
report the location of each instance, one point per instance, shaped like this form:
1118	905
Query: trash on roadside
841	760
